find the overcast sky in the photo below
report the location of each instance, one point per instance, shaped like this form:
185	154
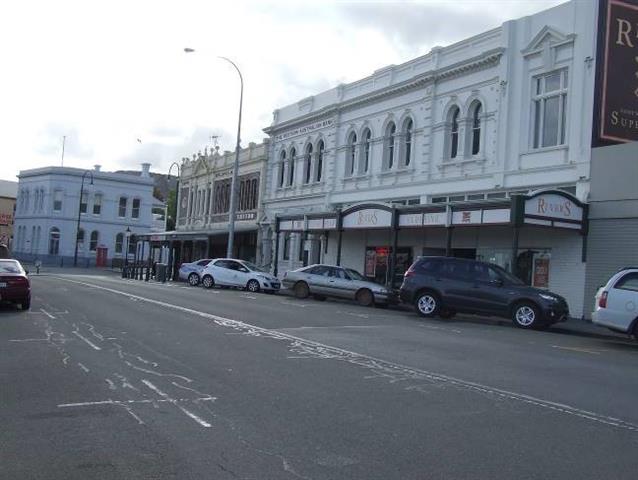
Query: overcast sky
107	73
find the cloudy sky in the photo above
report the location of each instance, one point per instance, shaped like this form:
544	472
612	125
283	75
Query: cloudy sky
107	73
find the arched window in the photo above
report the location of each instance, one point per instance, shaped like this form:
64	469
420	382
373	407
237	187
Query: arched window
454	132
54	241
119	241
476	128
95	235
390	134
320	152
407	141
308	164
351	154
366	146
291	166
282	164
80	239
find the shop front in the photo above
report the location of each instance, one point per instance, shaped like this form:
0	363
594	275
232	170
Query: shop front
539	237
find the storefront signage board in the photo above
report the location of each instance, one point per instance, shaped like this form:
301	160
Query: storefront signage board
305	129
617	73
435	219
466	217
315	224
498	215
554	207
368	218
411	220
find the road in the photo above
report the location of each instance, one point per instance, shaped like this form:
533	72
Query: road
108	378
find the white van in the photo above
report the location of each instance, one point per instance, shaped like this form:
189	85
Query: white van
616	304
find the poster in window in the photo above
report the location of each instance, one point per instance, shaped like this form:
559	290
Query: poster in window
371	263
540	277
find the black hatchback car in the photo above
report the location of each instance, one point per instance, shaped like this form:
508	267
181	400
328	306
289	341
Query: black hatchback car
444	286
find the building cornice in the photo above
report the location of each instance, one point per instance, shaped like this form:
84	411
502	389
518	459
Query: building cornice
78	172
462	67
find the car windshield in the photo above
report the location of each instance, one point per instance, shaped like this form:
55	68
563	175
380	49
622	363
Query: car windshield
508	276
354	275
10	266
255	268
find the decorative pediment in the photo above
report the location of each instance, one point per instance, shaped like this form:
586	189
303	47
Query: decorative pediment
547	37
201	166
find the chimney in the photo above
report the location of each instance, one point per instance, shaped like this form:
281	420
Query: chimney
145	169
97	167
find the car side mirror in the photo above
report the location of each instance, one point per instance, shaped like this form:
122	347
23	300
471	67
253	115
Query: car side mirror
27	272
498	282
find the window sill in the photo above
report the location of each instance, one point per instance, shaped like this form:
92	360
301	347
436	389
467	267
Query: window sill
360	176
461	162
546	149
395	171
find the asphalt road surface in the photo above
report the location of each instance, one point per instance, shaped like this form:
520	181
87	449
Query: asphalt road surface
115	379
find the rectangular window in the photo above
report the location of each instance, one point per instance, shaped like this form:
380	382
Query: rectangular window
97	204
122	208
476	196
457	198
496	195
135	213
84	202
549	110
439	199
57	201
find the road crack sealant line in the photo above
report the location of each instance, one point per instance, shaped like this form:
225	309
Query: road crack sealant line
384	368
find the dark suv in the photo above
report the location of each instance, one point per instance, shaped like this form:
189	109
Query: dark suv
443	286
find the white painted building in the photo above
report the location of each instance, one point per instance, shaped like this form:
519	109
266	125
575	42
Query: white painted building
47	213
437	149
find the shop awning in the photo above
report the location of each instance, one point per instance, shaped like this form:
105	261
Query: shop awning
193	235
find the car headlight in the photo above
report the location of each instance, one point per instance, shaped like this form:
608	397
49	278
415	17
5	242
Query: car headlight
551	298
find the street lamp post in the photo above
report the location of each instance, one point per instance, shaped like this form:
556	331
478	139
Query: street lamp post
171	269
233	184
128	236
77	227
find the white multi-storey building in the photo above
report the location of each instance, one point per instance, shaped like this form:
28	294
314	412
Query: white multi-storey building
113	210
478	149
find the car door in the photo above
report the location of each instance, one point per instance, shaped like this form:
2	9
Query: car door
318	279
487	293
455	282
339	283
242	274
221	272
622	301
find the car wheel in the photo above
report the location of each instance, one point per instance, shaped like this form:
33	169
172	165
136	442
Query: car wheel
252	286
301	290
446	313
26	305
526	315
427	304
208	281
365	298
193	279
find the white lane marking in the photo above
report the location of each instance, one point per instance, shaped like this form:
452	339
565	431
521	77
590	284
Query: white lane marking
110	383
580	350
295	304
361	359
79	335
352	314
83	367
30	340
133	402
434	327
186	412
249	296
47	314
335	327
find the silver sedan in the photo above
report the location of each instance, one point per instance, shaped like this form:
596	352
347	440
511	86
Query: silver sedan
323	281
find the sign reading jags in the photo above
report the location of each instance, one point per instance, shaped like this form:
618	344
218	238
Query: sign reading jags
617	76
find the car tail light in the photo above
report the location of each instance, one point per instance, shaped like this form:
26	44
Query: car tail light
602	301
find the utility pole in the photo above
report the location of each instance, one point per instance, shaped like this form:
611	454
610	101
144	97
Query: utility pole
63	142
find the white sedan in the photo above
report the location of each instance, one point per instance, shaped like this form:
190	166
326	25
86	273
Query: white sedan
617	303
230	272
